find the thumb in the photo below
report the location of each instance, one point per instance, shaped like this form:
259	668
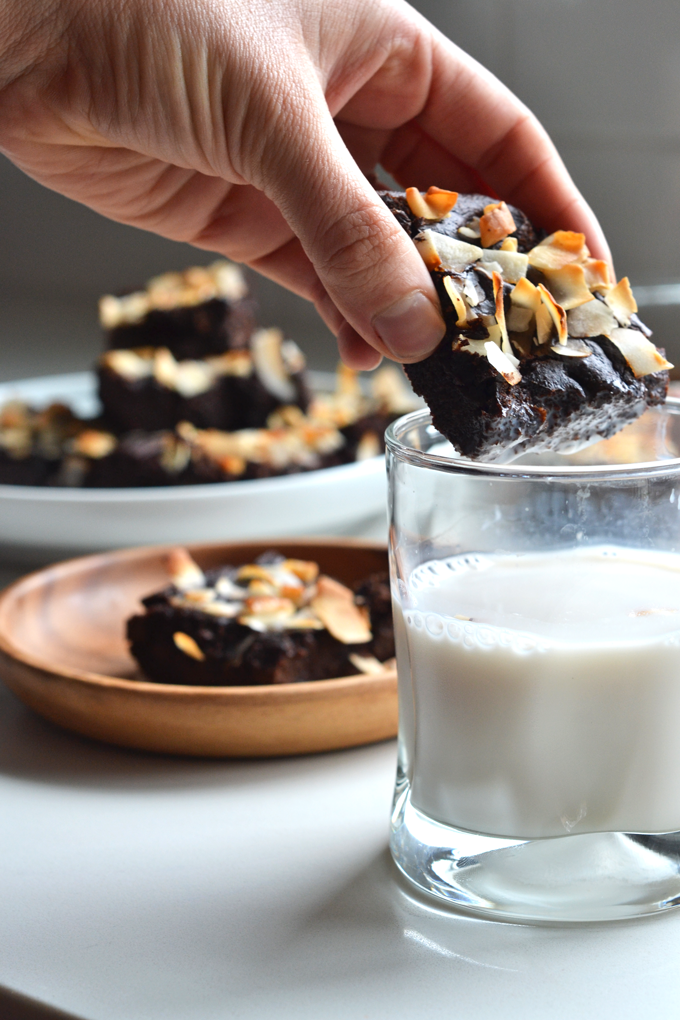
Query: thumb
367	264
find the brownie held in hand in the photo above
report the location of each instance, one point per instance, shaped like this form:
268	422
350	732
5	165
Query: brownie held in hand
543	351
274	621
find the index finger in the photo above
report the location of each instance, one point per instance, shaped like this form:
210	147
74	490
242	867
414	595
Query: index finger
472	115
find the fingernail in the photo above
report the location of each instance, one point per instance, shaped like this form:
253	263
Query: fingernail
411	328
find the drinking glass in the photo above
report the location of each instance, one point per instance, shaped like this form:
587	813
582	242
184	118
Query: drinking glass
537	619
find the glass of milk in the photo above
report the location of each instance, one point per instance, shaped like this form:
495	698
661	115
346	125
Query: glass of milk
537	615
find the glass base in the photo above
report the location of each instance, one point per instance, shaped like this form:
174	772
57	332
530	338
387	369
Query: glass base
598	876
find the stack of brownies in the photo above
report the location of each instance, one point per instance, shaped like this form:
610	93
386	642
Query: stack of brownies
193	391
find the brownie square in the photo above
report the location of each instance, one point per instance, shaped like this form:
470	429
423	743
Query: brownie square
270	622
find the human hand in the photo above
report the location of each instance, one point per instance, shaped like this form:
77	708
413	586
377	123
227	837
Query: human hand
244	127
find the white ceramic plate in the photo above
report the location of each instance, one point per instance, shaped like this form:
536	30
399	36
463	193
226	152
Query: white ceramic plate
39	523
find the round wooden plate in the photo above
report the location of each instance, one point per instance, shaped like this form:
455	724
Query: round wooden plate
63	652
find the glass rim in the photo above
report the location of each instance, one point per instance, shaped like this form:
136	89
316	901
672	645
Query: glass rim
464	465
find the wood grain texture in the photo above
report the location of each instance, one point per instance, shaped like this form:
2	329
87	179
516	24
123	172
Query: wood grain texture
63	652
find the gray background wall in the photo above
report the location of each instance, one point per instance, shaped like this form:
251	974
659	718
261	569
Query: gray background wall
603	76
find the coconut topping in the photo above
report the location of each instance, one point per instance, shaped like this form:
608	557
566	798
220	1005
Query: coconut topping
279	594
25	431
496	224
276	361
298	445
435	204
388	393
194	286
188	378
561	296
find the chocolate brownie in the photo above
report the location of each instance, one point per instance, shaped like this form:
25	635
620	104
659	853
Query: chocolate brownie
149	389
196	313
31	442
363	413
298	444
542	349
98	459
275	621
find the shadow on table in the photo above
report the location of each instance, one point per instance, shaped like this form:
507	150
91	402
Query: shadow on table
32	748
14	1006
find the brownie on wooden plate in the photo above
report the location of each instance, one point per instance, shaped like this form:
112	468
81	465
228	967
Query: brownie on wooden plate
271	622
543	350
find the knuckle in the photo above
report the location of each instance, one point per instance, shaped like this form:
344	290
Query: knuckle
353	245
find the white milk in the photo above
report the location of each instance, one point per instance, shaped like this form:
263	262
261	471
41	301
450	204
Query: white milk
556	707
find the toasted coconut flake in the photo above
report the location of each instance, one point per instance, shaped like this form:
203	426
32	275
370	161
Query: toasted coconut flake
428	250
568	285
573	349
544	325
335	606
186	644
254	571
391	391
198	596
598	277
471	229
561	248
306	570
621	301
94	444
304	620
368	446
193	377
165	368
456	300
640	353
440	202
184	572
453	254
367	664
519	319
434	205
227	610
568	240
593	318
270	606
266	345
502	363
234	363
473	292
512	264
416	204
128	364
257	587
525	295
557	313
496	224
497	283
475	347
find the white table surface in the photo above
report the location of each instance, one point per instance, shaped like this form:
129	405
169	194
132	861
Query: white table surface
140	887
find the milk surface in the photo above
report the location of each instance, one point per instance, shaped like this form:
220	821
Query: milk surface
545	694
